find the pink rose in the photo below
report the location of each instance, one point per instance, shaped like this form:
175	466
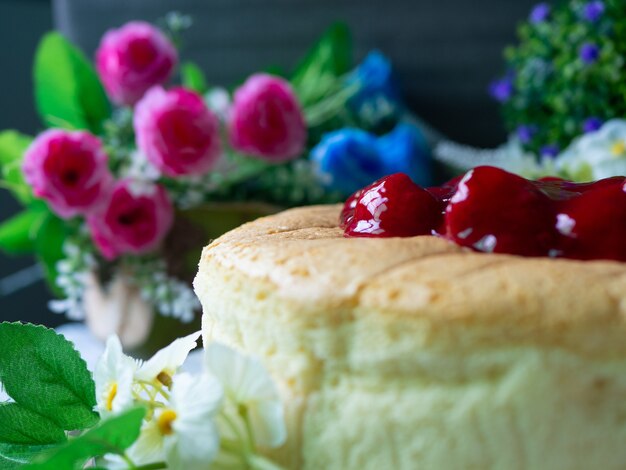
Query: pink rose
69	170
266	120
134	220
132	59
177	132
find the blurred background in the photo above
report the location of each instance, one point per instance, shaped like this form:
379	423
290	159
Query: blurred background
445	51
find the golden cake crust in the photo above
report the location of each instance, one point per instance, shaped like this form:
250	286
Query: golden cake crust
303	255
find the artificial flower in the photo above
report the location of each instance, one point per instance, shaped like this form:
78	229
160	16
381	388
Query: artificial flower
589	53
349	159
177	132
593	11
132	59
539	13
502	89
592	124
165	363
113	376
248	385
183	431
69	170
596	155
132	222
266	119
377	98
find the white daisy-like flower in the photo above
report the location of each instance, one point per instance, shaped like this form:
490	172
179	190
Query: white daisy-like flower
248	384
113	376
183	432
165	363
596	155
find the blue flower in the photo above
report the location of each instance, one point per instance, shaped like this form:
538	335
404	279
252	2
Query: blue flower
405	150
349	159
526	132
589	53
378	97
592	124
502	89
593	11
539	13
550	150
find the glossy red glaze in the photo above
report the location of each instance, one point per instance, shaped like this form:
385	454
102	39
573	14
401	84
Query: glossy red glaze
491	210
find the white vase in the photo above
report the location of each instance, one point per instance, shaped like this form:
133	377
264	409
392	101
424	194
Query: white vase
117	309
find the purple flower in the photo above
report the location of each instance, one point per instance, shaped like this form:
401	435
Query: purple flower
526	132
592	11
502	89
550	150
592	124
539	13
589	53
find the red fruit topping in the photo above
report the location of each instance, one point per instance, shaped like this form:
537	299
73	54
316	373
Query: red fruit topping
491	210
496	211
394	206
593	225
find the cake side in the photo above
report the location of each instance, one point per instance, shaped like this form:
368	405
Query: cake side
413	351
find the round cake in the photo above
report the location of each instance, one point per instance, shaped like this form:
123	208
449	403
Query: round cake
414	352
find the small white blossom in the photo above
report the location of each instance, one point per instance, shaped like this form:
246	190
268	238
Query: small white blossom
113	376
596	155
166	362
218	100
248	384
183	431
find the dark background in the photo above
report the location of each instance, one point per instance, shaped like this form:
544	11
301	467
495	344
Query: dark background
446	52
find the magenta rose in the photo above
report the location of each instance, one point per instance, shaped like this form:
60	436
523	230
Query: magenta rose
266	120
69	170
134	220
132	59
177	132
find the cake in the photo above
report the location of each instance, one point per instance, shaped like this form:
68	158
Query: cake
416	353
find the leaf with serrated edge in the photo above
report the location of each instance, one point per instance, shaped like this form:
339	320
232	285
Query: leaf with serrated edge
112	436
43	372
23	426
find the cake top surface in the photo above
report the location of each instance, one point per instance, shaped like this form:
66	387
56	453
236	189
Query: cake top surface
302	256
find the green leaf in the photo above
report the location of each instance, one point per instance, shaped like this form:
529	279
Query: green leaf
112	436
49	246
68	92
330	58
12	148
43	372
25	427
18	234
193	78
17	455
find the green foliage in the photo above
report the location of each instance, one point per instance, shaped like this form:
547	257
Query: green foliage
12	148
555	91
193	78
17	455
48	243
68	92
318	74
112	436
21	426
18	234
44	374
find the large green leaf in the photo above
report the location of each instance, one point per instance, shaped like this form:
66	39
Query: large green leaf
21	426
12	148
330	58
18	234
112	436
17	455
43	372
68	92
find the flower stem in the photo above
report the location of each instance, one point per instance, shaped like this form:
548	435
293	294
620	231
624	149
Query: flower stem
152	466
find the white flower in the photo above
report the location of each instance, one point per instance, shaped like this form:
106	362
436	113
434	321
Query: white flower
183	432
596	155
166	362
114	379
247	384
